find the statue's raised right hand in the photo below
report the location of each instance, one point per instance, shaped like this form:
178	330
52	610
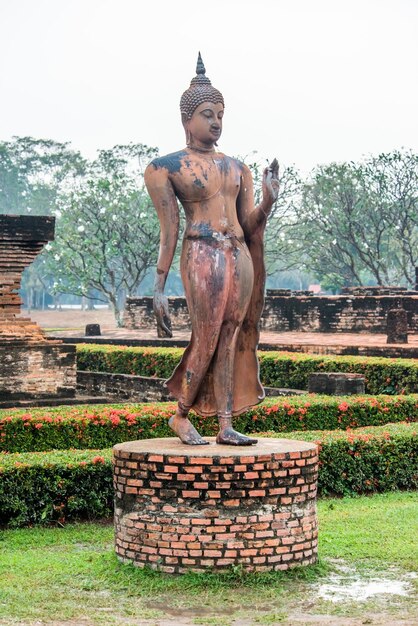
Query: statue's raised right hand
162	314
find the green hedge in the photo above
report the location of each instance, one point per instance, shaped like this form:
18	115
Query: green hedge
365	460
156	362
277	369
101	426
43	487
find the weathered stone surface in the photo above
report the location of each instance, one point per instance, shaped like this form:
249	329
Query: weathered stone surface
140	388
180	508
36	370
123	386
325	314
397	326
93	330
336	383
375	290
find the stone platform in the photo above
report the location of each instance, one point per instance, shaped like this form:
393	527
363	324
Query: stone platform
182	508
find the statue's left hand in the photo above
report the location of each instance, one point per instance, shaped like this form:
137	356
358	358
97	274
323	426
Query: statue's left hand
270	185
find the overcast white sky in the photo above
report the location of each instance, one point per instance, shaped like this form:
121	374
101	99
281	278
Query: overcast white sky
308	81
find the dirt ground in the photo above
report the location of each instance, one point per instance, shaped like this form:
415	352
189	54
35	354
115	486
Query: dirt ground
72	323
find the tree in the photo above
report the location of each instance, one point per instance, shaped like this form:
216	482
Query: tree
282	244
360	220
31	173
393	178
107	231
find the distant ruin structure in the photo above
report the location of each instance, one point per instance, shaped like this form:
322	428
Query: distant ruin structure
357	310
31	365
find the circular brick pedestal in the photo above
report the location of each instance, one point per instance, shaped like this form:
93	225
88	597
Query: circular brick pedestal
185	508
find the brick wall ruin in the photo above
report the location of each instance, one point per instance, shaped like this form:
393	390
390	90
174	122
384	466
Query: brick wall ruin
31	365
325	314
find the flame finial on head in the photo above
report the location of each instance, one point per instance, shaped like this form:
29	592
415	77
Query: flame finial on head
200	91
200	68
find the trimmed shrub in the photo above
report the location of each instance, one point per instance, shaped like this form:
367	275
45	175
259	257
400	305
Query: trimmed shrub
102	426
154	362
365	460
289	370
58	486
62	486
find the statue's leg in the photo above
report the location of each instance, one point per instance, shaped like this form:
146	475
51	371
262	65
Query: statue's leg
183	427
223	377
204	283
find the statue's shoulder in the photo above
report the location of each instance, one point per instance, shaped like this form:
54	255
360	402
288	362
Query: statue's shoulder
170	162
243	169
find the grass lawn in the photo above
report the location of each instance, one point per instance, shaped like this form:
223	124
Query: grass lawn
70	576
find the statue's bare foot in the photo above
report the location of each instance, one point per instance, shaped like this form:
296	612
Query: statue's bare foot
184	429
230	437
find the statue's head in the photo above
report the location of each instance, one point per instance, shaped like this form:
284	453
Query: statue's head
199	98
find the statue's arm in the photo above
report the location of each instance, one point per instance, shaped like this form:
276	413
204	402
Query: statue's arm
251	217
162	194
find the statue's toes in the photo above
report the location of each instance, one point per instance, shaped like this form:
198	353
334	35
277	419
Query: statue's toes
233	438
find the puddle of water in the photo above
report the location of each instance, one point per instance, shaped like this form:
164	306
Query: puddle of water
347	584
339	590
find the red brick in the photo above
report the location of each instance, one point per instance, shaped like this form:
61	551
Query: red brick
190	494
214	494
212	553
259	559
201	460
176	460
257	493
224	561
157	458
273	542
195	469
178	552
185	477
231	503
264	533
247	459
250	475
208	513
172	560
162	476
248	552
167	569
231	553
171	469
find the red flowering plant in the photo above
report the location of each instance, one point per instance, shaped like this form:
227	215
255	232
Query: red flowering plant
102	426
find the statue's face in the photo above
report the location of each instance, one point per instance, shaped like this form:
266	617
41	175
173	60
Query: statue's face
205	125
